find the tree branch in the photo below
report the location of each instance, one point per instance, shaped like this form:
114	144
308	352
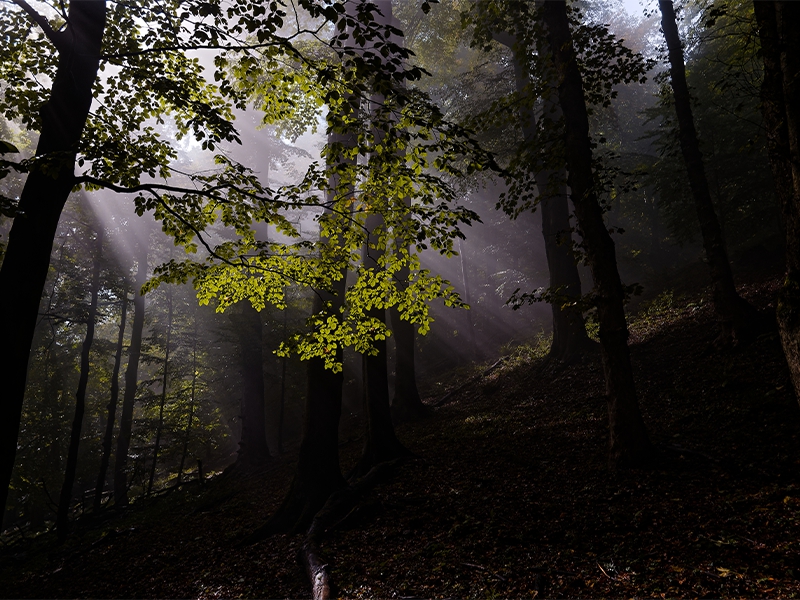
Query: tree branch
53	35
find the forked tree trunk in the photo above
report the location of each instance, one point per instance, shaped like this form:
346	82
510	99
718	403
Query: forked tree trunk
737	317
629	444
164	388
779	33
111	414
30	241
131	379
570	340
65	499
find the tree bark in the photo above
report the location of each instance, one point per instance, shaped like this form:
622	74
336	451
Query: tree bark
30	241
192	392
131	379
253	447
65	499
407	404
164	387
570	340
112	404
737	317
779	33
629	444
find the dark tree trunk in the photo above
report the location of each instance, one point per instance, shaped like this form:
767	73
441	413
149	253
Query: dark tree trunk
30	241
164	387
570	340
406	402
65	499
629	444
473	346
779	32
131	379
192	391
381	443
112	405
253	447
737	317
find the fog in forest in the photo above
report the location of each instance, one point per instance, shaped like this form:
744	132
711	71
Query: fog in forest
272	215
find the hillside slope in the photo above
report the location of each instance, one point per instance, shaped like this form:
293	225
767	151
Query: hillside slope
509	494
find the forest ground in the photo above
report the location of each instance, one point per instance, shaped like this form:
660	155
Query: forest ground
509	495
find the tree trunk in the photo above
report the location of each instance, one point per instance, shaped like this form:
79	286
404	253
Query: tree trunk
30	241
737	317
65	499
112	405
253	447
779	32
164	384
629	444
406	402
381	443
131	379
192	392
570	340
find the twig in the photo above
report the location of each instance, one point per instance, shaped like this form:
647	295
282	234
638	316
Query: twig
482	568
604	572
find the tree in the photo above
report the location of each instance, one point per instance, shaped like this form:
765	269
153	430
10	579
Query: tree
779	33
629	444
737	316
65	498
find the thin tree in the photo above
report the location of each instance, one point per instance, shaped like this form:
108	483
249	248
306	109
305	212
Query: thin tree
131	377
192	392
164	388
65	498
629	443
737	317
111	409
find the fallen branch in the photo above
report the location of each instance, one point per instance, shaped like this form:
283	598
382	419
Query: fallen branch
482	568
484	373
335	510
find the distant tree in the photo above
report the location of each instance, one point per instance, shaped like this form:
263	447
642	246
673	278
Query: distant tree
65	498
737	317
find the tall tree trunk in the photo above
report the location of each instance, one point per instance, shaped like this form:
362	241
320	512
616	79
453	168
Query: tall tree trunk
570	340
65	499
112	404
164	387
192	392
131	379
407	404
473	346
737	317
253	447
779	33
30	241
629	444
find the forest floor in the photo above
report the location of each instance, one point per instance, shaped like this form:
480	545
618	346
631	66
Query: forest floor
509	495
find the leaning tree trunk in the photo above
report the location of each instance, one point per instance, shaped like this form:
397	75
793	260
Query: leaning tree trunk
629	444
27	256
779	33
570	340
737	317
164	387
131	379
65	499
111	415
